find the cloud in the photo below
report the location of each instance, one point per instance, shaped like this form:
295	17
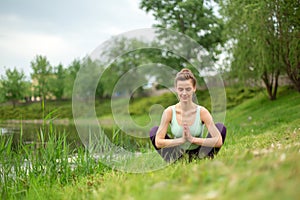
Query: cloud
62	30
20	43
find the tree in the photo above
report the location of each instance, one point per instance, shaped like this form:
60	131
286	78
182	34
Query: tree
86	80
2	93
70	76
262	38
28	90
287	23
57	85
195	18
138	53
122	64
42	72
13	85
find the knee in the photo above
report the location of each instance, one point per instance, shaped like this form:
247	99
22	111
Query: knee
222	128
153	131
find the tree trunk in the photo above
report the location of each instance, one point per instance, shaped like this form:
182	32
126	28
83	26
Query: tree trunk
294	75
271	85
14	103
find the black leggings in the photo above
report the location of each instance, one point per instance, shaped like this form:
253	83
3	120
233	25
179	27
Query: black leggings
170	154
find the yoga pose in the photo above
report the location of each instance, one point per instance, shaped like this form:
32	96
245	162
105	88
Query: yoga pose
187	120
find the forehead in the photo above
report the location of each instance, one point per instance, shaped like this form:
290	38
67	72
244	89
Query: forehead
185	83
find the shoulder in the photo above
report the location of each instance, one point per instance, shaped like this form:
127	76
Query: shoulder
205	114
203	109
167	113
169	110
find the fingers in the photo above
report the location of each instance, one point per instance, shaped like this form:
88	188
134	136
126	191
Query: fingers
185	128
186	133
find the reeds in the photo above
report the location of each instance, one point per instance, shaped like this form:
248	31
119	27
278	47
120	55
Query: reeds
44	162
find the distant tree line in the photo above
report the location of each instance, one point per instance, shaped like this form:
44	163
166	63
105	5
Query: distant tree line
45	82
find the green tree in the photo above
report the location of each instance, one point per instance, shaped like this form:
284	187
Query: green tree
13	85
86	85
287	24
262	37
57	85
2	92
28	90
42	72
70	76
138	53
122	63
195	18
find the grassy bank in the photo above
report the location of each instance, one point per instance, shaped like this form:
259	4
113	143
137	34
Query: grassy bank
258	160
138	106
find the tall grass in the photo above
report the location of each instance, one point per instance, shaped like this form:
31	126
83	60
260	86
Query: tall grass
27	167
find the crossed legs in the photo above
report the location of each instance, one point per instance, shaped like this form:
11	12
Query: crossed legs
173	153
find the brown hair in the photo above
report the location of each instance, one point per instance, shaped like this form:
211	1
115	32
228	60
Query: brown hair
185	74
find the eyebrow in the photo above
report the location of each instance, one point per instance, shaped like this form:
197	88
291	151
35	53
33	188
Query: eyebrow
184	87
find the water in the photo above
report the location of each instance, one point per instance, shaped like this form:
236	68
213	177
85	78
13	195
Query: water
31	131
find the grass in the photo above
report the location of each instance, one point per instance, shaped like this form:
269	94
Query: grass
260	159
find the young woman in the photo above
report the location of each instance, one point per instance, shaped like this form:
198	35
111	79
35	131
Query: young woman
187	120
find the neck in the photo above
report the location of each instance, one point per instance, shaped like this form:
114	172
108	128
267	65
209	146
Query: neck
186	105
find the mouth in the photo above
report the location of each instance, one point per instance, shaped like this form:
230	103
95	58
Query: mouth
184	97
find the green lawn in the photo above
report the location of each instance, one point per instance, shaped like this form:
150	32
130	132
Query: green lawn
259	160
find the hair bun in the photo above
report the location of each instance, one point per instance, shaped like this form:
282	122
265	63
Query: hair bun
185	74
185	70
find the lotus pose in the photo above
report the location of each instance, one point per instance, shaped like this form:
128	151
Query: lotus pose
187	121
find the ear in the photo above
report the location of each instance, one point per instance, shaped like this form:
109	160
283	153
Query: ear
194	89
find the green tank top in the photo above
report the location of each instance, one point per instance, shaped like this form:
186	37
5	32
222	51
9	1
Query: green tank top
196	129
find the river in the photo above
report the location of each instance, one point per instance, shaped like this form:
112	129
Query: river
32	129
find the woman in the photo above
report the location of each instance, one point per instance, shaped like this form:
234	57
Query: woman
186	120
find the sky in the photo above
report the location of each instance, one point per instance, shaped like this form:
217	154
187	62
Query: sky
62	30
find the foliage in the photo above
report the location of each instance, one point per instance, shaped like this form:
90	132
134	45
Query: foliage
70	76
86	82
192	17
42	72
125	56
57	82
262	40
13	85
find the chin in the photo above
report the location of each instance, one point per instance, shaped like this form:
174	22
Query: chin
184	100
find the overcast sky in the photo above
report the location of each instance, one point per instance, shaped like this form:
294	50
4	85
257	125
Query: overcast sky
62	30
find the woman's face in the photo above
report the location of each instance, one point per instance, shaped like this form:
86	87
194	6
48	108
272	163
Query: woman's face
185	90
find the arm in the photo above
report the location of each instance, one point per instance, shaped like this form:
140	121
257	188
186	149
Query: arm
216	138
160	140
